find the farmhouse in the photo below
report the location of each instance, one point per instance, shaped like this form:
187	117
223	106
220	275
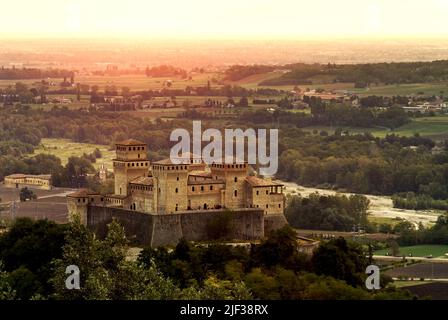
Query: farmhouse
19	180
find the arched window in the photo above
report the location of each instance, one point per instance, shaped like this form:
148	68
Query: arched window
177	190
235	179
235	193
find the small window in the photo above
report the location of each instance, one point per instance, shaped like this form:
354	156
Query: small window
235	193
177	178
211	187
279	205
177	190
257	192
267	191
235	179
202	188
267	206
192	188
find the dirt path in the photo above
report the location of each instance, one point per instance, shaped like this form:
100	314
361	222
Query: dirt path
380	206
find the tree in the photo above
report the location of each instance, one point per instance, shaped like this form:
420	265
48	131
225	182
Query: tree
243	102
340	260
125	92
31	246
27	194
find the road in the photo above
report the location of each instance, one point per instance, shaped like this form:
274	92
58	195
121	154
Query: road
390	258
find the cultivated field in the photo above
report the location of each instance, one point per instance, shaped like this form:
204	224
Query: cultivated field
433	127
435	250
425	270
64	148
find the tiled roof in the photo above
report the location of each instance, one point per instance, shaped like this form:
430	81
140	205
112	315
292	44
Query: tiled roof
82	193
206	181
131	142
21	175
164	161
147	181
168	161
197	173
258	182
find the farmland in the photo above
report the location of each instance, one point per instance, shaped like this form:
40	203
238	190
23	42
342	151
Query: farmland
63	149
425	270
419	251
433	127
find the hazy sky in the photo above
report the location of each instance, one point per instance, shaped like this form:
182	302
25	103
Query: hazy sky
225	18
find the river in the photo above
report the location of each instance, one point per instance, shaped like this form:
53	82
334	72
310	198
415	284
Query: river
380	206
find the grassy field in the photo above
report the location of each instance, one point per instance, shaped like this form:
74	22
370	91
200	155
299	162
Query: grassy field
64	148
142	82
404	284
326	83
134	82
419	251
434	127
384	220
405	89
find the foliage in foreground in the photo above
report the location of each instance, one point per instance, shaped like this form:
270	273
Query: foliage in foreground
34	257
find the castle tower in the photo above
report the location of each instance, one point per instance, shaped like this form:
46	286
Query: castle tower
79	201
170	186
130	162
77	204
234	176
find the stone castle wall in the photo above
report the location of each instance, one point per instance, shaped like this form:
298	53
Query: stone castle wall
167	229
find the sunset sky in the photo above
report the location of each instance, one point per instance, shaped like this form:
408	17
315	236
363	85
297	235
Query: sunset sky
225	19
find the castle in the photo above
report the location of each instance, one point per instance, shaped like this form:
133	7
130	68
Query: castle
163	188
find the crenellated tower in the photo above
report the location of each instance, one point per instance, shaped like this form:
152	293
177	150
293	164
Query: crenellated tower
130	162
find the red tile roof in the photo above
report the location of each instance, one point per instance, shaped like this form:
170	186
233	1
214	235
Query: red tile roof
258	182
81	193
147	181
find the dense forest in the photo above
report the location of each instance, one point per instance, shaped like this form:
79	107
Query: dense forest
35	255
340	213
354	162
361	74
165	71
33	73
332	115
436	234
